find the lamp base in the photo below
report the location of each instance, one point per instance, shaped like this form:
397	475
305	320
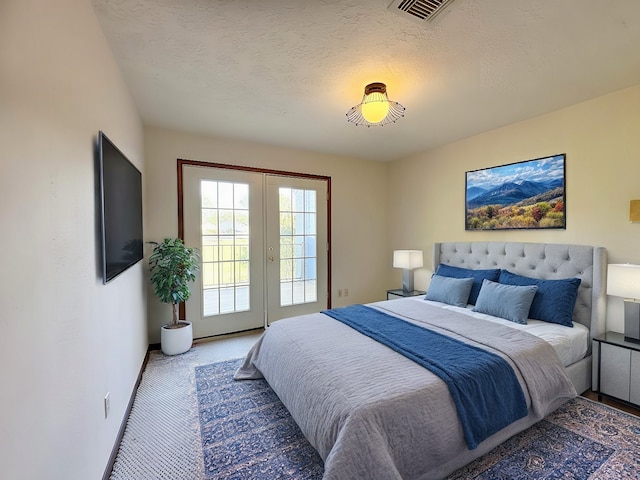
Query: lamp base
632	321
407	280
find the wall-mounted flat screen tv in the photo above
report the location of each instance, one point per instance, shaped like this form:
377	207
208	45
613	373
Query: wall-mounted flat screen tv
121	210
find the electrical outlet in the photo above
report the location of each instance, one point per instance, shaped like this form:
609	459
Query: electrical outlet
346	292
339	292
107	401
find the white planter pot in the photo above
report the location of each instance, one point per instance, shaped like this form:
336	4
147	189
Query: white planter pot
174	341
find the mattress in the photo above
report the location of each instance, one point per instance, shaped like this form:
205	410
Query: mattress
570	344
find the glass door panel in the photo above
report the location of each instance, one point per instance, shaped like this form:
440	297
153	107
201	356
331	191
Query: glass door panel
223	216
264	247
297	245
225	246
298	253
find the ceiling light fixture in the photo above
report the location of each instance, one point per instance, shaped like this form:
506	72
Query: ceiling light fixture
375	109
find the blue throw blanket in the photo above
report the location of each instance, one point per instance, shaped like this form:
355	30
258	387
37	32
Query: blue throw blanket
484	387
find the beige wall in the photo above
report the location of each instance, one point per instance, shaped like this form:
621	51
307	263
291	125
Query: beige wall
601	140
66	339
359	205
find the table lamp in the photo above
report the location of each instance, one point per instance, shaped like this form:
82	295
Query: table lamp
623	280
407	260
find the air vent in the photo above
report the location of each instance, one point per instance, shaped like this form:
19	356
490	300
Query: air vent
419	10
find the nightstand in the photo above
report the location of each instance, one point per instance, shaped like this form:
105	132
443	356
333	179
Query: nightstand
616	368
400	293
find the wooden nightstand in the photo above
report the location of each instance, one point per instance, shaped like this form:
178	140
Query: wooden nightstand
616	368
395	294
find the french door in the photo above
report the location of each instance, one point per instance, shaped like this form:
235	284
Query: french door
263	239
297	246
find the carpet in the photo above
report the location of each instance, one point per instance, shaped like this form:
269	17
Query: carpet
246	431
248	434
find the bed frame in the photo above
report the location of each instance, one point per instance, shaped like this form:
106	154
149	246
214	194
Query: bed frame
545	261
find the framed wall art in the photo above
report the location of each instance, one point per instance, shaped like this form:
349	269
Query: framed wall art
521	195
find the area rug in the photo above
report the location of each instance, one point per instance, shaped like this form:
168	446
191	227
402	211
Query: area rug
248	434
246	431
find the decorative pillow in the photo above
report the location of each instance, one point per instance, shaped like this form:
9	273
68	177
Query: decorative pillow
477	275
505	301
454	291
555	300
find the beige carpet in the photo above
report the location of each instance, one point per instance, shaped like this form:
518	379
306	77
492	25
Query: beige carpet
162	436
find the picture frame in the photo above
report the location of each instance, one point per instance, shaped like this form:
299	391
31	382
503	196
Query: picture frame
526	195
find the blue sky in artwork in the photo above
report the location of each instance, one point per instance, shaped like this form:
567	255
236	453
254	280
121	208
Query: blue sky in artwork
540	170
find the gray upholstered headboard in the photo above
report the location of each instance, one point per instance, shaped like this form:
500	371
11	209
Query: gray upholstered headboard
540	260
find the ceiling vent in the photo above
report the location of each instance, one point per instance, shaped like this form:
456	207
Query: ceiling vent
420	11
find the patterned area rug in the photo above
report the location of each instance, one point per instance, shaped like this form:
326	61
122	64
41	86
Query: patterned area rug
248	434
246	431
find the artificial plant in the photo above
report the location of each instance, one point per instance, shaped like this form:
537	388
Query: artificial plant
173	266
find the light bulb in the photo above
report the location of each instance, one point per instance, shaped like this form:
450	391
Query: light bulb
375	107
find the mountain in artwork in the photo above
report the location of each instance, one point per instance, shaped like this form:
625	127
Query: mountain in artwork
474	192
509	193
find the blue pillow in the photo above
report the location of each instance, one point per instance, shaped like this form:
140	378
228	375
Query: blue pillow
477	275
505	301
555	300
454	291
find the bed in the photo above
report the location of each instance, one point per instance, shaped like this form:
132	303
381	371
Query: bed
371	409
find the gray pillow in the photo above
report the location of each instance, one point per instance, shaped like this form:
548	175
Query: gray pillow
454	291
506	301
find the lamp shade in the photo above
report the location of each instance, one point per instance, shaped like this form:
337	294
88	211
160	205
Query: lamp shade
623	280
409	259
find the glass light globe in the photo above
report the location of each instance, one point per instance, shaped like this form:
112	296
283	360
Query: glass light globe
375	107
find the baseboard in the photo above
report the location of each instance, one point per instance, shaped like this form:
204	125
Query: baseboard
123	425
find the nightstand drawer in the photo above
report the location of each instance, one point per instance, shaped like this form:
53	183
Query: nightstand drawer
634	389
615	371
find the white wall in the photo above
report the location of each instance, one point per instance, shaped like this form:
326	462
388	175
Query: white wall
359	206
66	339
601	140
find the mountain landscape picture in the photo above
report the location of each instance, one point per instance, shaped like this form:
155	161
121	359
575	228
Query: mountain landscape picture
523	195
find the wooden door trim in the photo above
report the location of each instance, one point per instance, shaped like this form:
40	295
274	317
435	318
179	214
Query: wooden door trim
284	173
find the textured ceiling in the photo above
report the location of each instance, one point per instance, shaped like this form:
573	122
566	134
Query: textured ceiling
286	72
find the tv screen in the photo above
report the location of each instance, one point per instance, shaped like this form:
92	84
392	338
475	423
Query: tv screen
121	210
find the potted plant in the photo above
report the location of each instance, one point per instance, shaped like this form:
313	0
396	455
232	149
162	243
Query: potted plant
173	265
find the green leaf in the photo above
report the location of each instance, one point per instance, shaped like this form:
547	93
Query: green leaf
172	267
